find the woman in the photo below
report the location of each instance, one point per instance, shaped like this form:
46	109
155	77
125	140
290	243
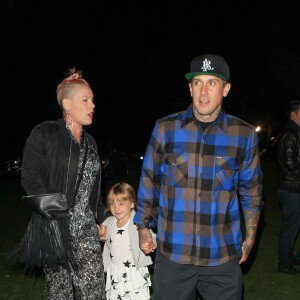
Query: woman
53	158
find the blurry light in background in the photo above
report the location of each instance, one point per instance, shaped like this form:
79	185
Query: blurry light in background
258	128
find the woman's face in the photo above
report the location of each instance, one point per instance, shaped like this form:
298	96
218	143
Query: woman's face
81	105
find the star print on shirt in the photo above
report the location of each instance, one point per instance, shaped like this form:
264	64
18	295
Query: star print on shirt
110	240
120	231
119	297
111	256
124	275
113	283
127	263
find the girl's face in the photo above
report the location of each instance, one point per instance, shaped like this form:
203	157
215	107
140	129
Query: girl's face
121	209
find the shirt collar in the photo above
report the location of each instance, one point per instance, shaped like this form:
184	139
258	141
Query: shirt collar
221	121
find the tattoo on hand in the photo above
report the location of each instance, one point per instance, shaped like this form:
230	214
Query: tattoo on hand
246	248
143	235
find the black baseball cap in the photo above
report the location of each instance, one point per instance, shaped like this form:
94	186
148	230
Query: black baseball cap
209	64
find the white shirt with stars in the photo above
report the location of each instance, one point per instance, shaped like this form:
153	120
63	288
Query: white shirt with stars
120	249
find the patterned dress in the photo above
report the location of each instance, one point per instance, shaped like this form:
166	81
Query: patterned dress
87	280
124	279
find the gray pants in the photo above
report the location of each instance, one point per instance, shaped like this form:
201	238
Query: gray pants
181	282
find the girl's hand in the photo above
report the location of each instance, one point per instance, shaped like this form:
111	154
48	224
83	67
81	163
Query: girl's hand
102	232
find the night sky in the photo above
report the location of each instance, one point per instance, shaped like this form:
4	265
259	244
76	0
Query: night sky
135	54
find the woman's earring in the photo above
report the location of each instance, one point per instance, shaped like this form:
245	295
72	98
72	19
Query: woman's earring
68	120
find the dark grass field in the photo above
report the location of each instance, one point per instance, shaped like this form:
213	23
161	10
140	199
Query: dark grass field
261	280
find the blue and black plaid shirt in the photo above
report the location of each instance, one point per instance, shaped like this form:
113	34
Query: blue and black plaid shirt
192	181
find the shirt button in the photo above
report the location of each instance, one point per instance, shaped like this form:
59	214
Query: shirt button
204	137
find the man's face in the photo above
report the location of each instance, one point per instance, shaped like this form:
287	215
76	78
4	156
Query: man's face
207	92
296	117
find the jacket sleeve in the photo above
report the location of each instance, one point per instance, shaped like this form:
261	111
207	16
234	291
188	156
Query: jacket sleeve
106	250
32	160
290	148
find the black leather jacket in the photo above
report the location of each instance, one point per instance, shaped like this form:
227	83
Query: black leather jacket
48	152
288	158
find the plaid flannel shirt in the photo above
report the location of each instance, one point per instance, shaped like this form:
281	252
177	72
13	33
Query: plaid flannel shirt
191	183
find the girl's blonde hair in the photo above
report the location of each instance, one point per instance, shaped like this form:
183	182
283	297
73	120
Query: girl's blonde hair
121	191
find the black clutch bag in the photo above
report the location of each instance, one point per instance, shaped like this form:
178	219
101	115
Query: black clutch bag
50	206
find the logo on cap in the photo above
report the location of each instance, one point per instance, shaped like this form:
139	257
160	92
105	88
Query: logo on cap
209	64
206	65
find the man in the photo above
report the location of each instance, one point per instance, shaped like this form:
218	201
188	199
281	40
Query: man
199	166
288	158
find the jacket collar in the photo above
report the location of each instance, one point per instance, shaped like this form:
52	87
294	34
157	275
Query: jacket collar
62	127
293	124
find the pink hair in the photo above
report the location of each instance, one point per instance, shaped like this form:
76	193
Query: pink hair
66	88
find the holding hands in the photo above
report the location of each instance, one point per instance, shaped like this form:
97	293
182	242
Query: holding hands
146	242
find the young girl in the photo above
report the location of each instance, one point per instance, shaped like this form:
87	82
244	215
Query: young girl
125	264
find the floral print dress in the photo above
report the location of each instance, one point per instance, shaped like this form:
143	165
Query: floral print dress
88	279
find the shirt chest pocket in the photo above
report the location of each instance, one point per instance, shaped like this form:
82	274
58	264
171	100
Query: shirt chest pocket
226	173
176	170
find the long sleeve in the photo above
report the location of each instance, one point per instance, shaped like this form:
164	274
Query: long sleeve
33	156
149	186
250	176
